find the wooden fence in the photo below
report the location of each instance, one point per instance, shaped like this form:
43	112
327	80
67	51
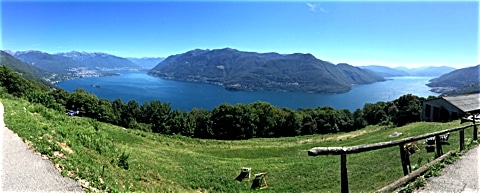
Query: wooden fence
404	155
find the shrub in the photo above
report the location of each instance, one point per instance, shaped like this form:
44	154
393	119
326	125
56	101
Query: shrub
123	160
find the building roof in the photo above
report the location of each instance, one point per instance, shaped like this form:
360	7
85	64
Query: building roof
466	103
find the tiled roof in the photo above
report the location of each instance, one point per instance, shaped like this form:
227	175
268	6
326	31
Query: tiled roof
466	103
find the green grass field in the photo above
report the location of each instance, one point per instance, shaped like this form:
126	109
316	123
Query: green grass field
95	152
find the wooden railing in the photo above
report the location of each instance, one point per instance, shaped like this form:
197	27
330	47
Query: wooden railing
404	155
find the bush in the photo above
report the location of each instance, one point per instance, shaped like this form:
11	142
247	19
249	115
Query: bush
123	160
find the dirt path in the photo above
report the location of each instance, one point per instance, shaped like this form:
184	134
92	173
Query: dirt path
22	171
462	176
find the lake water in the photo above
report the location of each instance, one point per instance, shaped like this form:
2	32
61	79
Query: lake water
186	95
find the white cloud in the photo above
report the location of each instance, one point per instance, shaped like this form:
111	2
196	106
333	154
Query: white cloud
322	9
312	7
315	7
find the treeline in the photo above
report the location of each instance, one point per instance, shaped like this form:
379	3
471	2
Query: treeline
226	121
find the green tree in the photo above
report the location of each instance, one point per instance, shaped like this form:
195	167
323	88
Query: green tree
44	98
267	119
133	110
375	113
85	102
344	120
157	115
119	109
234	121
105	111
61	96
181	123
410	109
309	124
358	120
292	125
203	124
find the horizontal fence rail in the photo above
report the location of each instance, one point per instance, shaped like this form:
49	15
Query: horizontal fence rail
404	155
369	147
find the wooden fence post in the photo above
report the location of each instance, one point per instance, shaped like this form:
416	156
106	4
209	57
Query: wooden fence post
403	158
438	145
462	139
343	173
475	131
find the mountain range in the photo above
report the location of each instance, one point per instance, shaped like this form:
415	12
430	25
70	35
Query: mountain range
147	62
238	70
72	61
74	64
431	71
235	70
101	61
48	62
28	71
465	80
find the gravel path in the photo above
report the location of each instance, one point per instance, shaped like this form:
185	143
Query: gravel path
22	171
462	176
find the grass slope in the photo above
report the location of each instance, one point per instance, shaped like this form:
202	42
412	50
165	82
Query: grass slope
92	152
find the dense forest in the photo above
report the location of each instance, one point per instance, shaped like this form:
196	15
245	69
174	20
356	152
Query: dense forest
226	121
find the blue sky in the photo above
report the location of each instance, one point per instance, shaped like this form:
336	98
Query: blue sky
400	33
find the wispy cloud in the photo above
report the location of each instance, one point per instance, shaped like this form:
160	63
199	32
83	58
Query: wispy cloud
314	7
322	9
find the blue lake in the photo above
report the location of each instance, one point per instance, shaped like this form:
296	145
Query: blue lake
186	95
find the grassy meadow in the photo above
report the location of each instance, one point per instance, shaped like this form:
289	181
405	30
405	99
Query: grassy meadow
110	158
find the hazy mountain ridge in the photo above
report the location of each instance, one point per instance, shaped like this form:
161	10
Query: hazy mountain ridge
238	70
52	68
69	62
147	62
48	62
65	66
467	79
101	61
385	71
432	71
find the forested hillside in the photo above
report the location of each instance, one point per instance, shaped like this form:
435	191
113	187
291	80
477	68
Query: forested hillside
238	70
465	80
457	78
28	71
